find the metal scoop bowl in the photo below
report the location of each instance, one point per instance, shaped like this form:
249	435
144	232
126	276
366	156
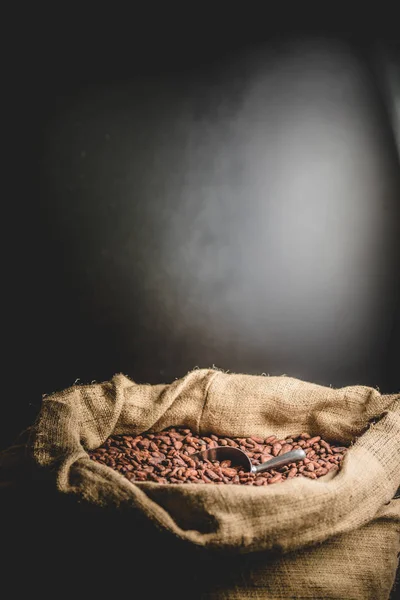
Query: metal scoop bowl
239	458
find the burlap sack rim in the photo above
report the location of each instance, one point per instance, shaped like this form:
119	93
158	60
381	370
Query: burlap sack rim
79	468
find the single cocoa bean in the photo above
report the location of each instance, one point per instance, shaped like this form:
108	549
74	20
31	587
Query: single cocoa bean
231	443
143	443
275	478
321	471
256	439
285	448
228	472
212	475
314	440
276	448
261	481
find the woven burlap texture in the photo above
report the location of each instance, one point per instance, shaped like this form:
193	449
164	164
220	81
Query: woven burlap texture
241	518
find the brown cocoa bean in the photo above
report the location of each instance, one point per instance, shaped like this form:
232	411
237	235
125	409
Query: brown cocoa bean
326	446
314	440
275	478
165	457
270	439
261	481
265	458
321	471
276	448
212	475
231	443
285	448
143	443
228	472
256	439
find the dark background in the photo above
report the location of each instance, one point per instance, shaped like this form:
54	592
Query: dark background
217	195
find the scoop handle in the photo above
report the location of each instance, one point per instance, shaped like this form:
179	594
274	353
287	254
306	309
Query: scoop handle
280	461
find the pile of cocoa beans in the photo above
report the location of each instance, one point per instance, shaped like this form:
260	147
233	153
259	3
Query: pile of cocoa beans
165	457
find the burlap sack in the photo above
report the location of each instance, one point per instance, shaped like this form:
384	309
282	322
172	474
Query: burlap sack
337	537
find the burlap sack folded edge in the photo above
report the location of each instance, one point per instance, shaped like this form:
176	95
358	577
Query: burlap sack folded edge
230	517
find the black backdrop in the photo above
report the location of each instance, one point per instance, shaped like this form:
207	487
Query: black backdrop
216	197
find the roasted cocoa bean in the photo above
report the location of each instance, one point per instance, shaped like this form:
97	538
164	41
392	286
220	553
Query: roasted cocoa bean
212	475
256	439
321	471
314	440
265	457
275	478
261	481
285	448
231	443
276	448
165	457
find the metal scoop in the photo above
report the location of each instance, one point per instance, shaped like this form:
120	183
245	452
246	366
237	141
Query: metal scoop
239	458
